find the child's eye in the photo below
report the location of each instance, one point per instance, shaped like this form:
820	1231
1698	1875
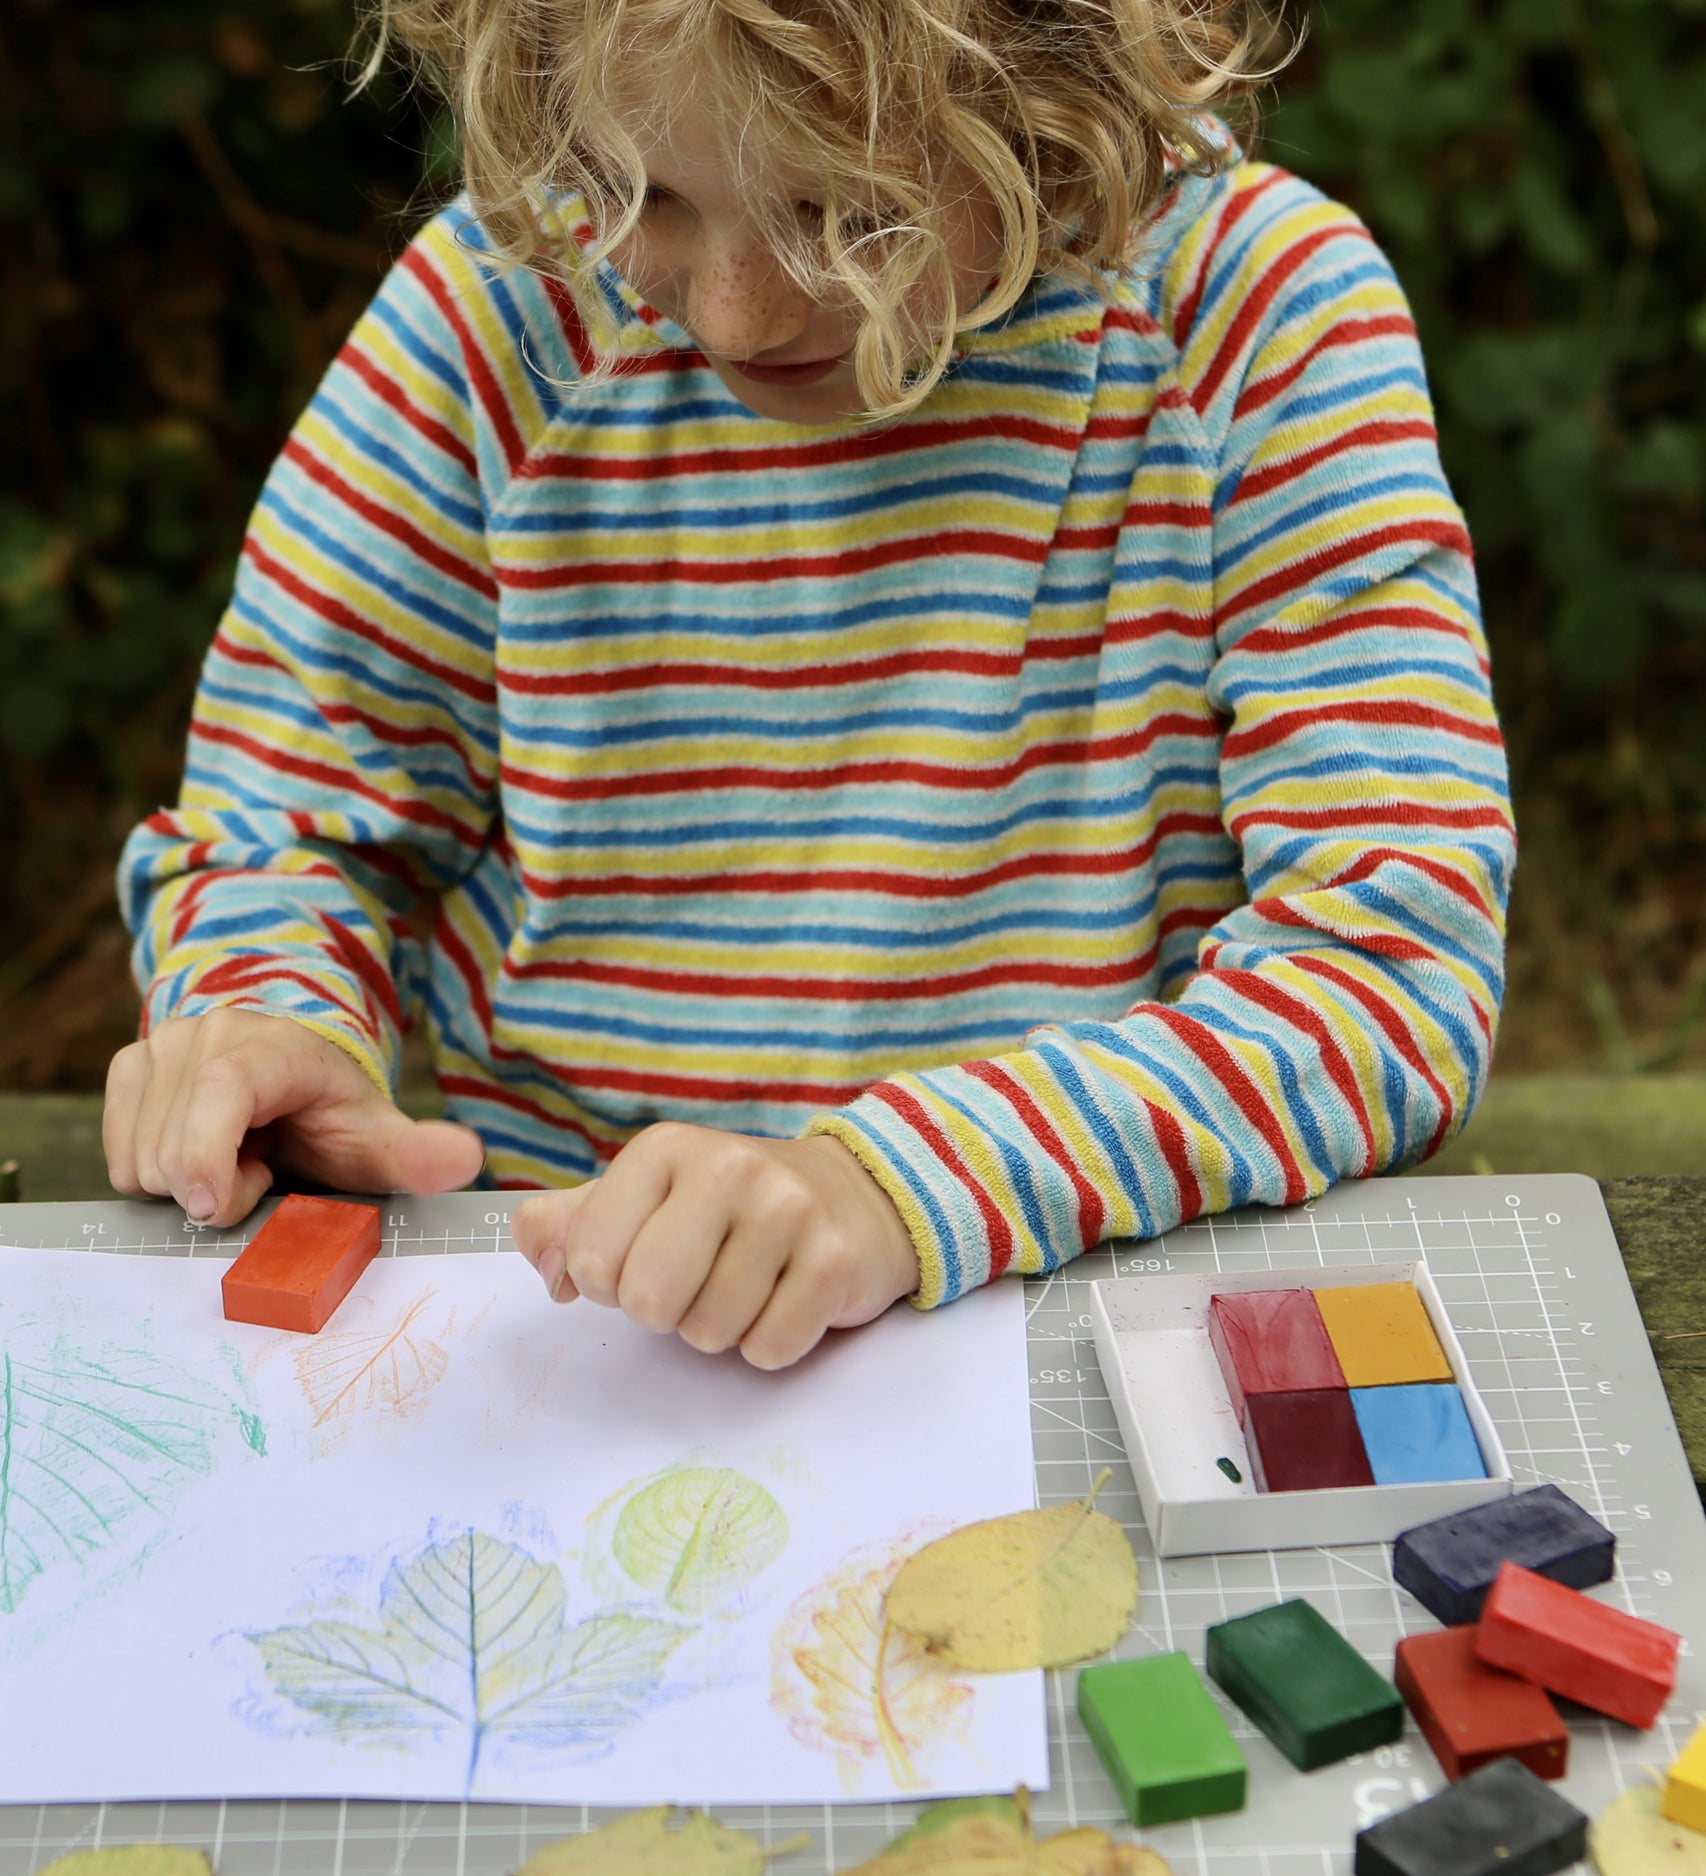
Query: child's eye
655	197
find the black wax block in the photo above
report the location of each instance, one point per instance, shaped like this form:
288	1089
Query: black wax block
1449	1565
1499	1821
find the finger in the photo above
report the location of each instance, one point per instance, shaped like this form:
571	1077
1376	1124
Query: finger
434	1156
801	1307
538	1227
734	1294
602	1229
672	1255
127	1081
171	1057
203	1135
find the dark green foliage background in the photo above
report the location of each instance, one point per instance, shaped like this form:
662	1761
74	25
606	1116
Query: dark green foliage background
191	217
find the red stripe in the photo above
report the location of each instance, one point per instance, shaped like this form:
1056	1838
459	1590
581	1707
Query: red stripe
1092	1214
1395	1030
1259	392
1362	615
1266	993
381	988
499	1095
1297	576
855	446
1176	1151
923	1123
1201	1041
1259	482
337	780
389	392
1381	944
388	521
336	613
1237	207
1254	305
1041	756
786	882
1365	814
843	991
481	379
1388	712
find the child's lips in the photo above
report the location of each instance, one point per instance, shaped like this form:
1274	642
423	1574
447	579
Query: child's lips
811	371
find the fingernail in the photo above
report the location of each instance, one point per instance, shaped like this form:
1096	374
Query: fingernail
199	1203
553	1267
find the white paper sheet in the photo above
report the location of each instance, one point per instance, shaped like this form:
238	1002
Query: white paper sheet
463	1543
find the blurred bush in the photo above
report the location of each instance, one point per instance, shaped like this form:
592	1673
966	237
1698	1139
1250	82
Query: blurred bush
193	215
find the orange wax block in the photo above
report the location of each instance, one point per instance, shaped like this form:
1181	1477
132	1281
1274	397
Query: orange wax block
1381	1335
301	1263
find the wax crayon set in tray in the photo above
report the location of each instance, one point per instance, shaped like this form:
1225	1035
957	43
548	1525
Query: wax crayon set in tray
1281	1408
1509	1579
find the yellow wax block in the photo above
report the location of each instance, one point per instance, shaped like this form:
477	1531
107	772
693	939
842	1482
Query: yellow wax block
1684	1801
1381	1335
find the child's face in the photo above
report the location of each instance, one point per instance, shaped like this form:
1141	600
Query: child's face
699	258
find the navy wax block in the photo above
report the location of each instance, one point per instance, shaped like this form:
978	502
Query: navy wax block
1499	1821
1449	1565
1417	1433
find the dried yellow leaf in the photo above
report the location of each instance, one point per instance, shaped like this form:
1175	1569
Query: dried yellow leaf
645	1844
1036	1589
1630	1837
132	1859
992	1837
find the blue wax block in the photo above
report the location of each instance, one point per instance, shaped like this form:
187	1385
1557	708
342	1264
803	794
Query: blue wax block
1449	1564
1417	1434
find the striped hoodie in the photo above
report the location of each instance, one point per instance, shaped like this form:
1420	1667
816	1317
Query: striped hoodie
1082	797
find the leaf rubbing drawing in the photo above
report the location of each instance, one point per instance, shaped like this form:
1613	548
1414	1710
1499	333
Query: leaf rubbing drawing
697	1534
851	1685
389	1371
1036	1589
646	1844
94	1444
472	1642
1632	1837
992	1837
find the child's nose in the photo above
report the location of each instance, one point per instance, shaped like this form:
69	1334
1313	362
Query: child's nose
741	303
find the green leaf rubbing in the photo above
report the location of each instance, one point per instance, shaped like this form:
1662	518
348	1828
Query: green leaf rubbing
695	1535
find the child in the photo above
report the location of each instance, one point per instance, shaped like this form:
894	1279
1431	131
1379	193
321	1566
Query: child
872	629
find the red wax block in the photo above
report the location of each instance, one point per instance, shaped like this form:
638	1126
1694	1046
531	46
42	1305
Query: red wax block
1271	1342
301	1263
1305	1442
1571	1645
1472	1714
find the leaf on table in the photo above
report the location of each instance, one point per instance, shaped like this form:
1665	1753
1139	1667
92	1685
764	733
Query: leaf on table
1035	1589
95	1442
131	1859
992	1837
851	1685
473	1641
645	1843
1632	1837
698	1533
345	1374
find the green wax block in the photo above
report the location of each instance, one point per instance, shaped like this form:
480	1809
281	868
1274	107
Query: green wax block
1161	1738
1303	1684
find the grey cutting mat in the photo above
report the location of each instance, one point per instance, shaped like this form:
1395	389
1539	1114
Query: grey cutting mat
1531	1276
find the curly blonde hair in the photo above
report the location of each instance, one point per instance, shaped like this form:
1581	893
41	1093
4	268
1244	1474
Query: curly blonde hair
1067	112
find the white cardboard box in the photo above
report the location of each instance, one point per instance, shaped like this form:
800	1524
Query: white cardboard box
1177	1419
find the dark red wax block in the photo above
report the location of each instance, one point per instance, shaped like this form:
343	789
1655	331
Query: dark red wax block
1571	1645
1472	1714
1449	1564
1271	1342
1305	1442
1500	1821
301	1264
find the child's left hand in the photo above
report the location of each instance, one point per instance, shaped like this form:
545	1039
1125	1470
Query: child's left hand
725	1240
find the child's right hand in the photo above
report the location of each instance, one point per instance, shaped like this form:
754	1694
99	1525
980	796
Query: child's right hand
206	1107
